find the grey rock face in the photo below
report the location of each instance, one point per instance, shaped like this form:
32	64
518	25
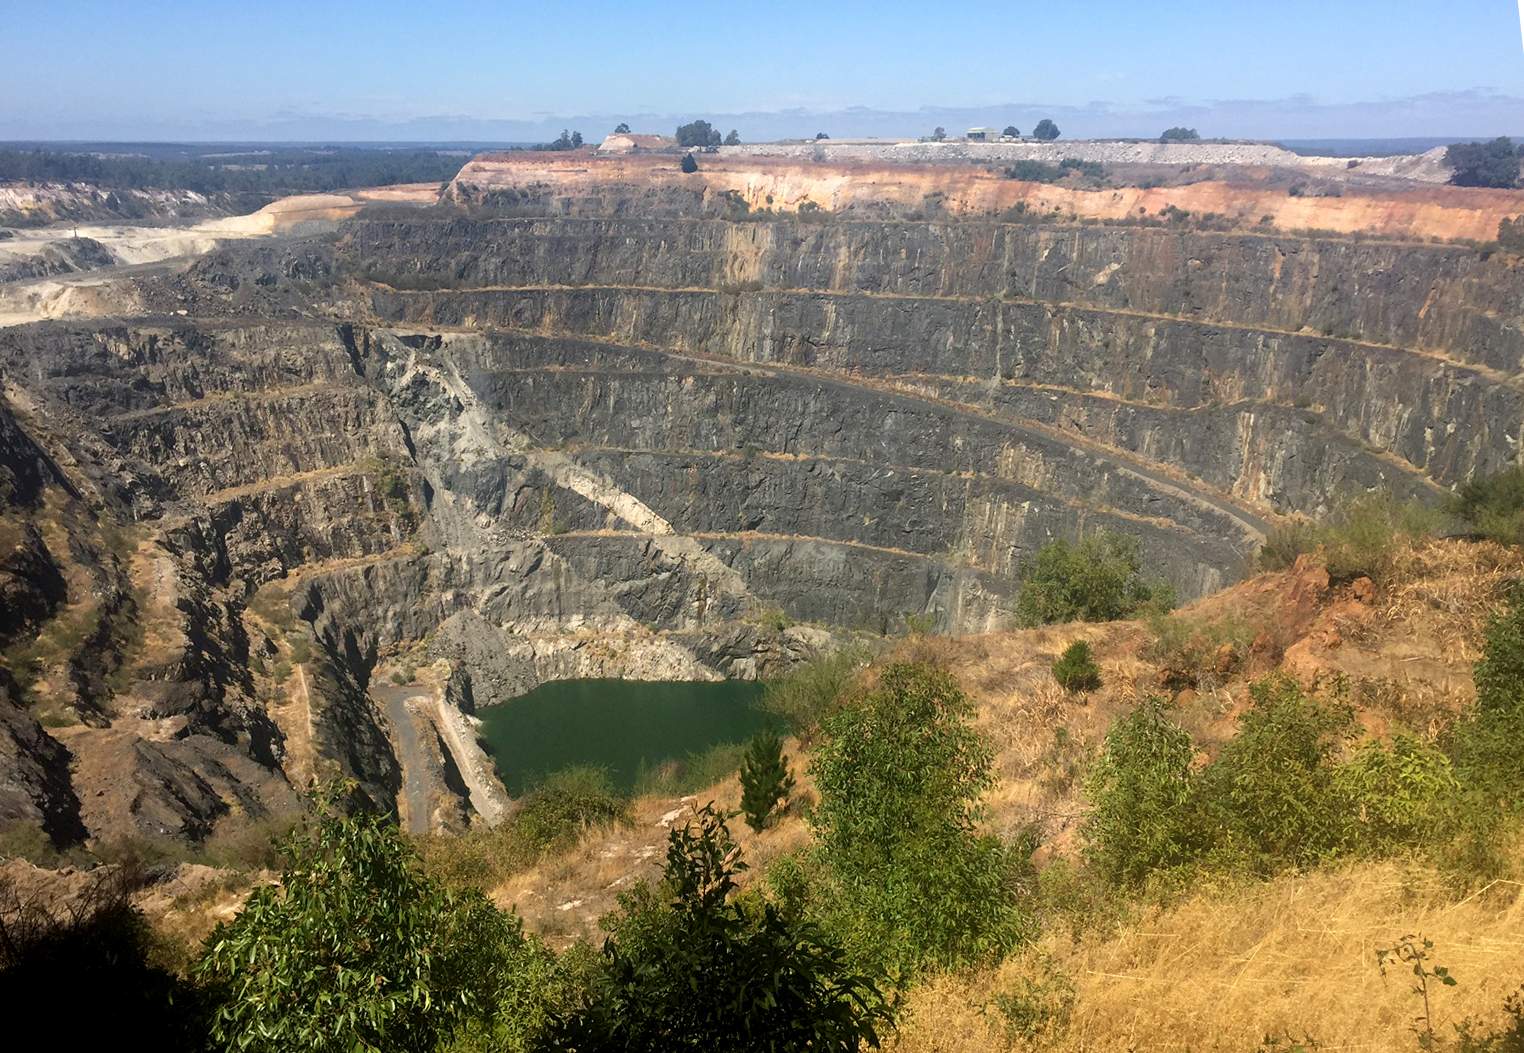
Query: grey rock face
646	436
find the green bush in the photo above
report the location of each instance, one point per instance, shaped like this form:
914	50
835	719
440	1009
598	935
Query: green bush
1273	795
1035	1009
803	697
1485	745
1141	791
1034	172
356	949
765	780
1285	541
1494	505
1276	795
1400	793
1360	538
691	773
693	966
1509	1038
900	775
1097	579
557	812
1075	669
1197	652
1088	169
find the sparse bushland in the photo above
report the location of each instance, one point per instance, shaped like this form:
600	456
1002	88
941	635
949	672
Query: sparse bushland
1493	505
695	965
551	817
1096	579
901	870
1361	537
1030	171
285	170
1075	669
803	697
357	948
1233	854
1291	788
1197	652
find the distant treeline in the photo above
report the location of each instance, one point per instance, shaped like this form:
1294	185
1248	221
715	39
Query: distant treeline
278	170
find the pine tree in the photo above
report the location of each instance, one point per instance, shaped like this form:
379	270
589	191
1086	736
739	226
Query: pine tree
765	779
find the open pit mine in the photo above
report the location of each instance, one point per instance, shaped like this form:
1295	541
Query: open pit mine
295	494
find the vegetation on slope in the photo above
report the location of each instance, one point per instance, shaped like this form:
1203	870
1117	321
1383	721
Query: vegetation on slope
1276	822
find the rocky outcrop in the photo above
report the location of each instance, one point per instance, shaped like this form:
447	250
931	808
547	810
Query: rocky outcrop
34	776
584	426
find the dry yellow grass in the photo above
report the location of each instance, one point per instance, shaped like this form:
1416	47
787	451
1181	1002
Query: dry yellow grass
1225	967
1222	970
563	896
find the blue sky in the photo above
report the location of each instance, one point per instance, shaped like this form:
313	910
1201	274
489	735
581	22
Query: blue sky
1290	68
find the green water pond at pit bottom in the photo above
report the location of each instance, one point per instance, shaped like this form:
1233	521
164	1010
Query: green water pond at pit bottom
622	726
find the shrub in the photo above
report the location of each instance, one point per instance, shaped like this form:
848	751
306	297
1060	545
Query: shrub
1272	797
691	773
765	779
689	165
1075	670
1197	652
1141	795
803	697
1286	541
1399	793
1097	579
1494	505
1036	1008
1511	234
1499	674
692	967
1360	538
568	802
1088	169
1509	1038
900	775
1485	746
1034	172
357	949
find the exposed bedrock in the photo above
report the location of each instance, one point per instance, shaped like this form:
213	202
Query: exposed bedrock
1431	297
679	447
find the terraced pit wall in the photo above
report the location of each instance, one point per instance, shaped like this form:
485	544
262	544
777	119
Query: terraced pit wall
576	426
